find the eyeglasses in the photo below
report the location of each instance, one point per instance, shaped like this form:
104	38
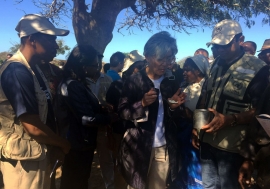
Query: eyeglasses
215	46
167	60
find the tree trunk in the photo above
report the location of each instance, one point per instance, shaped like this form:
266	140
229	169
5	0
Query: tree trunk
95	28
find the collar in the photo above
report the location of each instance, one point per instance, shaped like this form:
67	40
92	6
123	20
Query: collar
19	57
228	64
199	83
88	79
112	71
101	75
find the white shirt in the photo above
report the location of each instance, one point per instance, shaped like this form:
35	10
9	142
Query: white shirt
193	92
159	137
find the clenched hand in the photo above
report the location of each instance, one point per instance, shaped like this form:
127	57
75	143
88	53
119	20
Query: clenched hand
149	97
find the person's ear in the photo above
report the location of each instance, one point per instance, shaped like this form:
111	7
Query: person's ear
241	40
32	40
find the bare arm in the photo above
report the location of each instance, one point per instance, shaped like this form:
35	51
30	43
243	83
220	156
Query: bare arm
42	133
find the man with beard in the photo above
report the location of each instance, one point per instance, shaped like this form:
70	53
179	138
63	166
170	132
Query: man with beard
235	84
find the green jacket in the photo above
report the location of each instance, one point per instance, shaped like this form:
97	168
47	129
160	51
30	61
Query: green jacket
231	88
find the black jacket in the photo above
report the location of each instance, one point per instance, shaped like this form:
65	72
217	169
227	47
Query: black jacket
80	103
137	144
112	97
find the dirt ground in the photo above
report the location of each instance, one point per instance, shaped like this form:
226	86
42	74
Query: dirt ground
95	181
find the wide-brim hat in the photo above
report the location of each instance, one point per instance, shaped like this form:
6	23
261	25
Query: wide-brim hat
224	32
266	45
35	23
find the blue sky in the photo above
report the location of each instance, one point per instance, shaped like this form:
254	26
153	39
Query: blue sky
10	13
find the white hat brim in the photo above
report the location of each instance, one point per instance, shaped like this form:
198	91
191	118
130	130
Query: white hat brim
56	32
221	40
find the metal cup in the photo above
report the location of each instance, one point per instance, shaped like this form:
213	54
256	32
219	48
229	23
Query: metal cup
201	117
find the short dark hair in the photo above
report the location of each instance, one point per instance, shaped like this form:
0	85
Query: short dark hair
23	40
252	43
80	56
35	35
117	58
201	49
9	54
106	67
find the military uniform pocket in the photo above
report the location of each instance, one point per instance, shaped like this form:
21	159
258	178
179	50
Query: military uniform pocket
237	85
19	148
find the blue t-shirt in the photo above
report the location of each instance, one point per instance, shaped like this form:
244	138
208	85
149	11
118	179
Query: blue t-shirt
18	85
113	74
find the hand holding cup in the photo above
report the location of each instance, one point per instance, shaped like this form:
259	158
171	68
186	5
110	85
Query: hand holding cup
149	97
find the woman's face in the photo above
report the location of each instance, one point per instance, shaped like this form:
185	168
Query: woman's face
190	74
159	66
92	69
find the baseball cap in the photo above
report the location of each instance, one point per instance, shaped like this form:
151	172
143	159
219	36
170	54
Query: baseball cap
35	23
266	45
224	32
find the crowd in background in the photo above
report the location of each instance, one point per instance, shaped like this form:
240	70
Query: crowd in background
140	121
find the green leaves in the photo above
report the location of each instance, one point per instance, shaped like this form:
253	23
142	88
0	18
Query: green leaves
183	14
62	47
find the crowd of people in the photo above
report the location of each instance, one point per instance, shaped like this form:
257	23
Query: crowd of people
140	121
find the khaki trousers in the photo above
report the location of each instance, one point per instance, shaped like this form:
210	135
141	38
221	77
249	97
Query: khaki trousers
26	174
158	169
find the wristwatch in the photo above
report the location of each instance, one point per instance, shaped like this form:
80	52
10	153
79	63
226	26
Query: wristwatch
234	122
